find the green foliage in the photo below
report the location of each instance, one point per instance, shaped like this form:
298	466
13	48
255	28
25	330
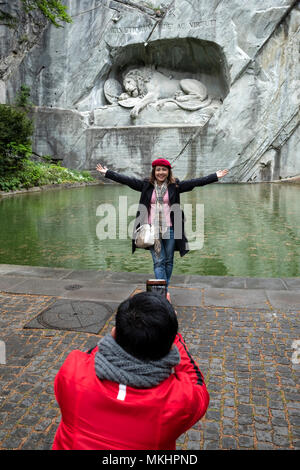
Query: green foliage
51	173
53	10
15	138
38	174
16	169
47	158
9	184
22	98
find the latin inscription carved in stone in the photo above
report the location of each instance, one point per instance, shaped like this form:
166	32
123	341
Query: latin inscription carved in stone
163	26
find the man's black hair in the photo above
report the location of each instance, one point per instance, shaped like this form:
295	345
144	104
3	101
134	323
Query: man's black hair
146	326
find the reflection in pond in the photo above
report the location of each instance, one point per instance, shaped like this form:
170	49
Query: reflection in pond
249	230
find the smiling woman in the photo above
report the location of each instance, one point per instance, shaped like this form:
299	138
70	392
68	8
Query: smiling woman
159	207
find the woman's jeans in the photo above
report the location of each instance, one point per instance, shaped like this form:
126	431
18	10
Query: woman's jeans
163	264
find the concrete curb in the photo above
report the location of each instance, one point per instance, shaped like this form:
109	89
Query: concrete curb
236	292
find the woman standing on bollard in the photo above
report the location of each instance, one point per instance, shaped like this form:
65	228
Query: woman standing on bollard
160	194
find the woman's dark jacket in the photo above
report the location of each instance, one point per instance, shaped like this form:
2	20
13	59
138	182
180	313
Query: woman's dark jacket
146	188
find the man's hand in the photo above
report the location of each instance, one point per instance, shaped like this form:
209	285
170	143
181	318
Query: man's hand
221	173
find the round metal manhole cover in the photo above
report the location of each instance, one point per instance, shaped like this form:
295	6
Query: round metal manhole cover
89	317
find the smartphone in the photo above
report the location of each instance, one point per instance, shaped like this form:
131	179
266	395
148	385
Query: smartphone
157	286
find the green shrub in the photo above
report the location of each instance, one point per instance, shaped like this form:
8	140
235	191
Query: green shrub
38	174
16	169
15	138
9	184
30	175
22	98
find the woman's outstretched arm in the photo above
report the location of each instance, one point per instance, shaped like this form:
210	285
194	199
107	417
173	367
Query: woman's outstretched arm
188	185
130	181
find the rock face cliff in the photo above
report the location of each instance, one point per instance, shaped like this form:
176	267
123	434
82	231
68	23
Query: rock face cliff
217	85
19	33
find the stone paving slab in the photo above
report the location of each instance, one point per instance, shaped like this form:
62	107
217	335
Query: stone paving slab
216	281
288	300
292	283
188	297
245	354
93	289
8	283
225	297
262	283
35	271
87	275
104	292
37	285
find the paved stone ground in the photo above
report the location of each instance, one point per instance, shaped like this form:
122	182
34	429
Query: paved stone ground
245	355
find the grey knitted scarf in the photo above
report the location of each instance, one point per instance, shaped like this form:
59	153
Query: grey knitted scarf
115	364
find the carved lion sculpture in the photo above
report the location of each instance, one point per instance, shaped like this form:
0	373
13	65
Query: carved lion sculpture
144	86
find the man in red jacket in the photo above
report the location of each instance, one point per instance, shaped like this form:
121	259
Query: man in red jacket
139	388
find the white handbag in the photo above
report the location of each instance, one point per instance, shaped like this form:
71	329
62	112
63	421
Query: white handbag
144	236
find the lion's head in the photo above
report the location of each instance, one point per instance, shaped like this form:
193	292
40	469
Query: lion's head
135	81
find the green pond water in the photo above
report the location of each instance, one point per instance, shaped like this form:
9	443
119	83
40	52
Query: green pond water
249	230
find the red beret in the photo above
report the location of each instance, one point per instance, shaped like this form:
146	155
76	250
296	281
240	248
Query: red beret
161	162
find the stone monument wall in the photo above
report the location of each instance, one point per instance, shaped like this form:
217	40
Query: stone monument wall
207	85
